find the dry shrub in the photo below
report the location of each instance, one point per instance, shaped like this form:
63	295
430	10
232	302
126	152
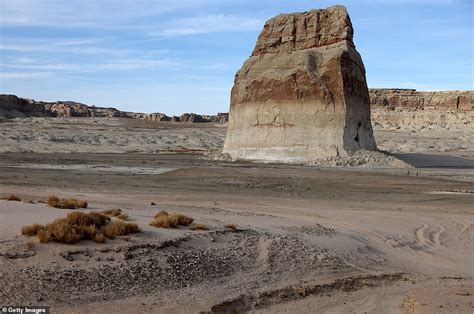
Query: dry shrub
162	222
114	212
165	220
183	220
133	228
77	226
44	236
99	238
70	203
123	216
118	228
198	227
161	213
31	230
13	197
231	227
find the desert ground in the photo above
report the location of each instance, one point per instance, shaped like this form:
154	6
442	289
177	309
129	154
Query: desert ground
309	239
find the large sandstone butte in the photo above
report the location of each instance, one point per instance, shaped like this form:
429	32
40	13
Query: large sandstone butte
302	95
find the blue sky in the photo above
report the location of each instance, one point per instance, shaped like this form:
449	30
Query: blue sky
181	56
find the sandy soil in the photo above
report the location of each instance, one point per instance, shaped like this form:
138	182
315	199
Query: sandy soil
425	132
106	135
309	239
331	240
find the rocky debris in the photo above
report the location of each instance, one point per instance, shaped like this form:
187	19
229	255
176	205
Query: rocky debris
302	95
254	301
360	159
316	230
146	268
12	106
411	99
364	159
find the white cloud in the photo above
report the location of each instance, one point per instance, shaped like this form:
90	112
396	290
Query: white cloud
113	65
107	14
23	75
72	46
208	24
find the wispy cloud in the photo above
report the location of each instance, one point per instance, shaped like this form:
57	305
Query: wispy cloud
107	14
72	46
24	75
208	24
113	65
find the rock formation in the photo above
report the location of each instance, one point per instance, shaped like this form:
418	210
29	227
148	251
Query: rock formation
302	95
410	99
12	106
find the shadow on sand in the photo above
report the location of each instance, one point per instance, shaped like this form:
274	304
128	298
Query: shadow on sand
435	161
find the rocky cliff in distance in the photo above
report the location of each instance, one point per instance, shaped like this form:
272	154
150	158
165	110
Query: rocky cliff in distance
411	99
12	106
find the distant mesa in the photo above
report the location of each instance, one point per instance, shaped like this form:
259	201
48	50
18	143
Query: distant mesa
410	99
12	106
302	95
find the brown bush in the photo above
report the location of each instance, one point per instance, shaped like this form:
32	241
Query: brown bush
162	222
13	197
132	228
183	220
31	230
44	235
198	227
114	212
70	203
77	226
118	228
84	220
99	238
165	220
231	227
161	213
123	216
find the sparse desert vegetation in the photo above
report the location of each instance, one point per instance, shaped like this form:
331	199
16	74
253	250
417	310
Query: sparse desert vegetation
12	197
198	227
118	228
115	212
231	227
64	203
77	226
165	220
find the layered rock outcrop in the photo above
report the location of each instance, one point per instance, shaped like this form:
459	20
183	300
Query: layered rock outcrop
411	99
12	106
302	95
